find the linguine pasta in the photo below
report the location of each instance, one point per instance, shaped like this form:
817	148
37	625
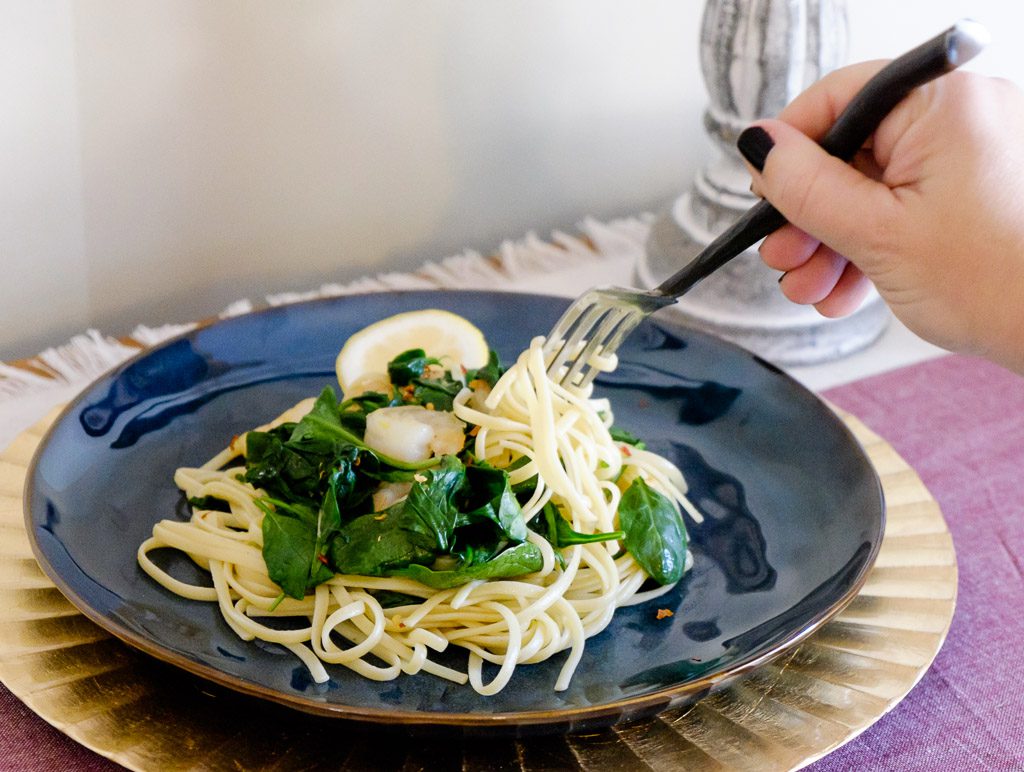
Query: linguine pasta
528	425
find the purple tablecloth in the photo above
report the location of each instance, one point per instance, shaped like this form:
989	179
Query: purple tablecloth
960	423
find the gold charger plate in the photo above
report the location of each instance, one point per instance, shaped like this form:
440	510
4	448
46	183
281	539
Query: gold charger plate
144	714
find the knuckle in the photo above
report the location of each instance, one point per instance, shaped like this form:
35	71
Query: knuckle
800	189
883	237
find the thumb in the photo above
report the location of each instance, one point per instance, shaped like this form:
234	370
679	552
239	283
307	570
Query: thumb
819	193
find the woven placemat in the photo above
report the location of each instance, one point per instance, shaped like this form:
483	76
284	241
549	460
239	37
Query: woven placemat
147	715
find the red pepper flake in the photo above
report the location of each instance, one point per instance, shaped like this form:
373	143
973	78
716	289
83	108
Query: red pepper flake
626	451
474	431
233	441
663	613
322	559
463	368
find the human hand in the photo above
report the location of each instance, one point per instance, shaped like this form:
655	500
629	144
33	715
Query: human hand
931	210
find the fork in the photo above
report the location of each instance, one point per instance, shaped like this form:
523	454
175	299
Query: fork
584	340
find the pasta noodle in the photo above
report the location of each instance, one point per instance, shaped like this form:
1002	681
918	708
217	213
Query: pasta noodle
528	425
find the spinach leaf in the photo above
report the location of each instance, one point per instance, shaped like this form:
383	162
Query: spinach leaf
322	429
488	496
301	469
328	524
352	412
430	507
382	473
209	502
295	509
373	544
297	531
622	435
413	370
433	520
321	426
477	543
281	471
522	490
289	550
392	599
439	393
345	481
560	533
654	532
522	559
489	373
409	365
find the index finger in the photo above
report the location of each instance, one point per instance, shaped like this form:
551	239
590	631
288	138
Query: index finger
815	110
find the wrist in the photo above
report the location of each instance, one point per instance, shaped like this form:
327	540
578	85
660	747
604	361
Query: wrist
1000	334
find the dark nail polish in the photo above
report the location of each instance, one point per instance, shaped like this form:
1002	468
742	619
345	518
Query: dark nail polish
755	144
783	276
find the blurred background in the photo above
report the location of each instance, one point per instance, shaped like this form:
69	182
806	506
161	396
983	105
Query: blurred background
161	159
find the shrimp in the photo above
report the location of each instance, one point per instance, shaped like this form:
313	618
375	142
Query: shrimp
390	493
413	433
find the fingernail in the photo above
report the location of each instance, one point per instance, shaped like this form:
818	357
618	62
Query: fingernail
754	144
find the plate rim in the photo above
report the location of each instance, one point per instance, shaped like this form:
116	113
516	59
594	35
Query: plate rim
627	707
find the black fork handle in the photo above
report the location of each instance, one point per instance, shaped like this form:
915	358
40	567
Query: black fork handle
943	53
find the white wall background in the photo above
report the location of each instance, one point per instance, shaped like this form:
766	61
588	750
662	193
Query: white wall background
161	158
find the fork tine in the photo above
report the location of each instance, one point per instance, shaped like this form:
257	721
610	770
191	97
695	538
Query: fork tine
628	323
554	345
595	326
571	316
585	322
613	316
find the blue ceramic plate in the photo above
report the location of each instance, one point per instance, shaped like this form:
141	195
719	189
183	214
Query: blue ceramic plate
793	510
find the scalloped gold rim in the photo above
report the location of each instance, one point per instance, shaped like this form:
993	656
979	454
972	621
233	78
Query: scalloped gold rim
909	594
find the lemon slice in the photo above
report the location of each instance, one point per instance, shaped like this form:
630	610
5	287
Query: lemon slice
442	334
